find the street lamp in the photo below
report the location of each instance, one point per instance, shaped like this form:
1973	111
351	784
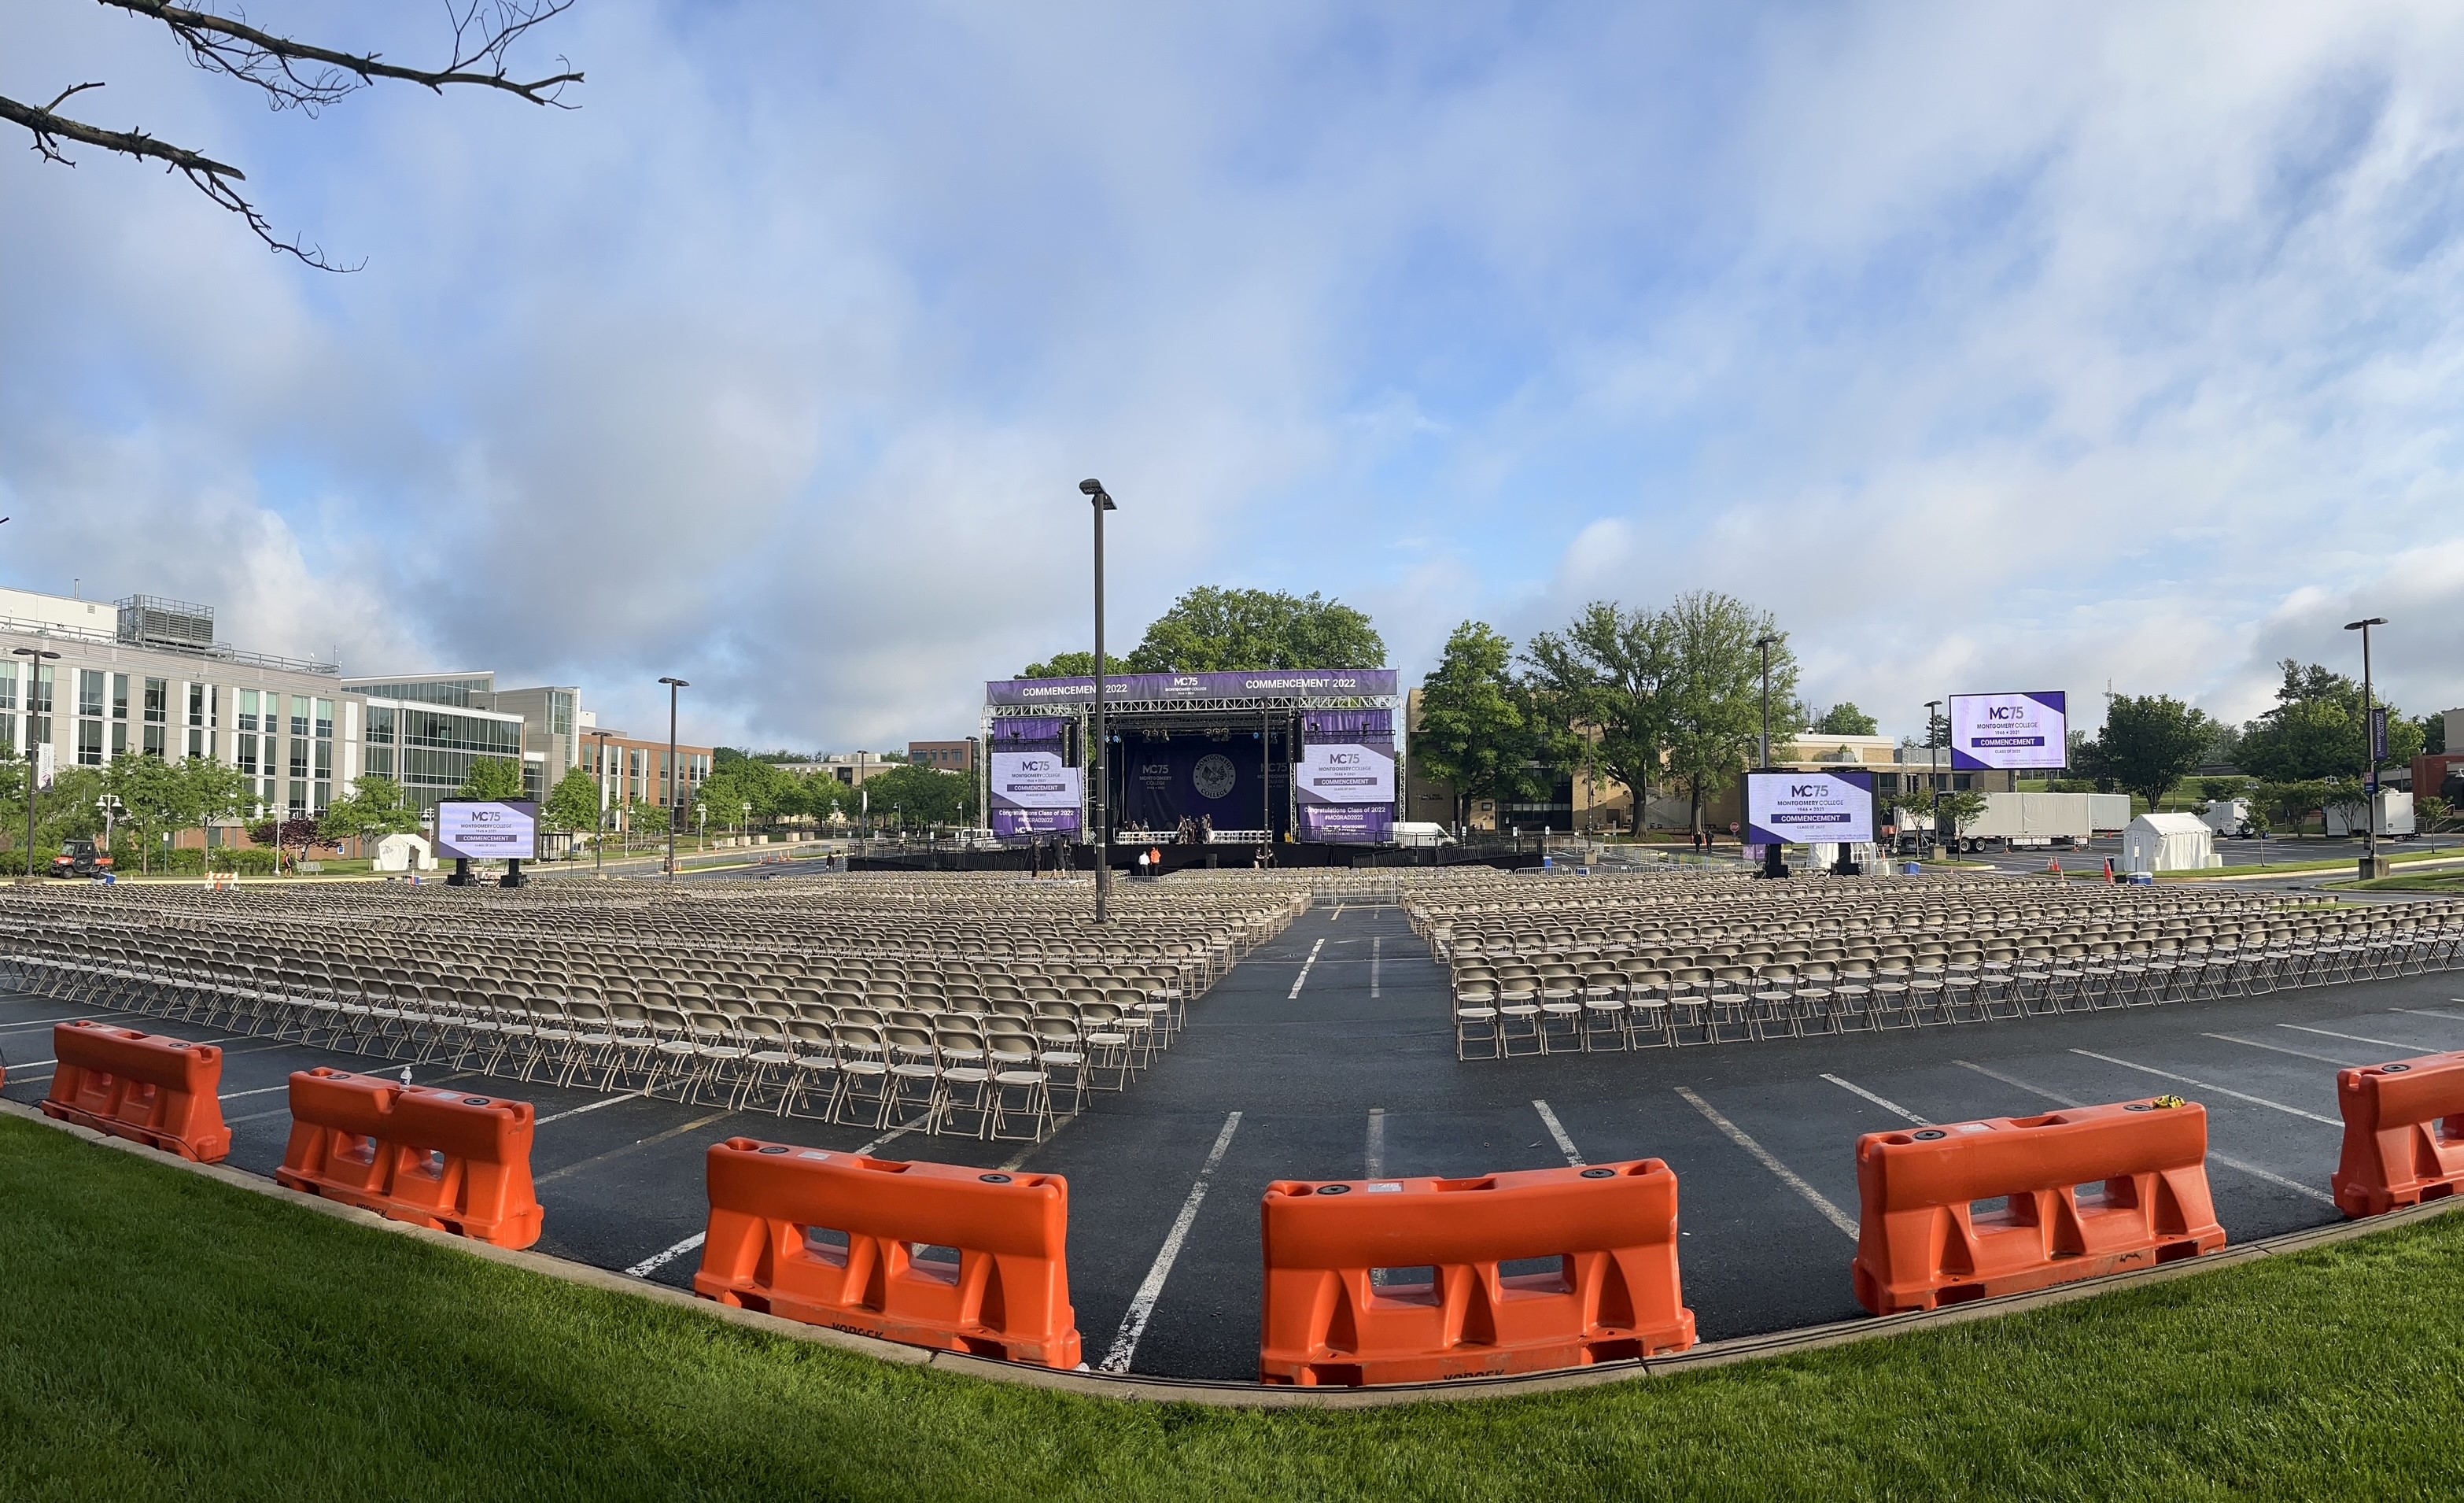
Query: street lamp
599	840
1933	784
1765	641
1093	491
2371	750
36	657
675	785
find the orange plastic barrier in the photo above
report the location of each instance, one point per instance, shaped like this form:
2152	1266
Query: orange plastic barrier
438	1158
159	1092
1922	1242
1329	1320
833	1239
2404	1134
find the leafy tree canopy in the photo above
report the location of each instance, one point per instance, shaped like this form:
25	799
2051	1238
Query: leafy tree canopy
1479	729
1844	718
2317	729
375	808
1212	630
492	777
2149	743
915	794
1599	688
572	804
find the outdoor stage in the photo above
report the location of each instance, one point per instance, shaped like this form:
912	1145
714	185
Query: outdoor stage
1292	759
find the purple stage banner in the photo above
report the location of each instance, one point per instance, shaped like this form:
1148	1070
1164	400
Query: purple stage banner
1033	730
1019	824
1320	682
1372	824
1376	726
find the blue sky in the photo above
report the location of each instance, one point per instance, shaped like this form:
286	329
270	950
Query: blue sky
1990	348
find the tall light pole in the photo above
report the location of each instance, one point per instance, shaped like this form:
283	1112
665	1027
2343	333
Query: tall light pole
2369	754
1093	491
1933	785
675	783
1765	641
36	657
599	835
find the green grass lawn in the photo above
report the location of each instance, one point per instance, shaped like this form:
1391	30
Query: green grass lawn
168	1337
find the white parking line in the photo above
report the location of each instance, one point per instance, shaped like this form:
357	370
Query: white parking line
2278	1049
2422	1012
1885	1102
1303	977
1557	1131
1133	1325
1373	1160
2357	1038
2222	1091
1015	1161
1786	1176
2234	1165
53	1022
1373	961
659	1260
888	1137
233	1096
629	1096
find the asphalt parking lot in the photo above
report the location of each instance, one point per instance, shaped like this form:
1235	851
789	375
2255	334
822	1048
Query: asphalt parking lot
1327	1055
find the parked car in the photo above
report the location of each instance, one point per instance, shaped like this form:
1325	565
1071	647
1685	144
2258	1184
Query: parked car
81	858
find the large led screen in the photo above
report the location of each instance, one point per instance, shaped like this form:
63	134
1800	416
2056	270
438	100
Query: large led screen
492	832
1789	809
2010	730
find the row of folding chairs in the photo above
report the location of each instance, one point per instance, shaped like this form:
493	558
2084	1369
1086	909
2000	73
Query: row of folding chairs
1699	1006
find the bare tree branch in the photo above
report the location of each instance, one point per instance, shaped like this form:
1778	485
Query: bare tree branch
216	180
302	76
299	74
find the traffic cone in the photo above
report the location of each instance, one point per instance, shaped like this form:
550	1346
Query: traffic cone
2108	868
2053	867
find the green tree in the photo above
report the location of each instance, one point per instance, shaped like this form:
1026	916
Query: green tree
573	804
1603	686
646	819
491	778
1956	808
2433	734
2291	802
1211	631
2350	798
2433	813
1479	730
1714	699
2150	743
920	795
2317	729
375	808
724	794
817	797
1844	718
154	801
1064	665
2216	790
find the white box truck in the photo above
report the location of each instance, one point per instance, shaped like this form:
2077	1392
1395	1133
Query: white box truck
2226	816
2108	813
2395	815
2030	821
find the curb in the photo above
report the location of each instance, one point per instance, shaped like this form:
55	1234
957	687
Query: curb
1142	1389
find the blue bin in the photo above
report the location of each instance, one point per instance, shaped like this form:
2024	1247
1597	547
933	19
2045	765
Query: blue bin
1911	870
